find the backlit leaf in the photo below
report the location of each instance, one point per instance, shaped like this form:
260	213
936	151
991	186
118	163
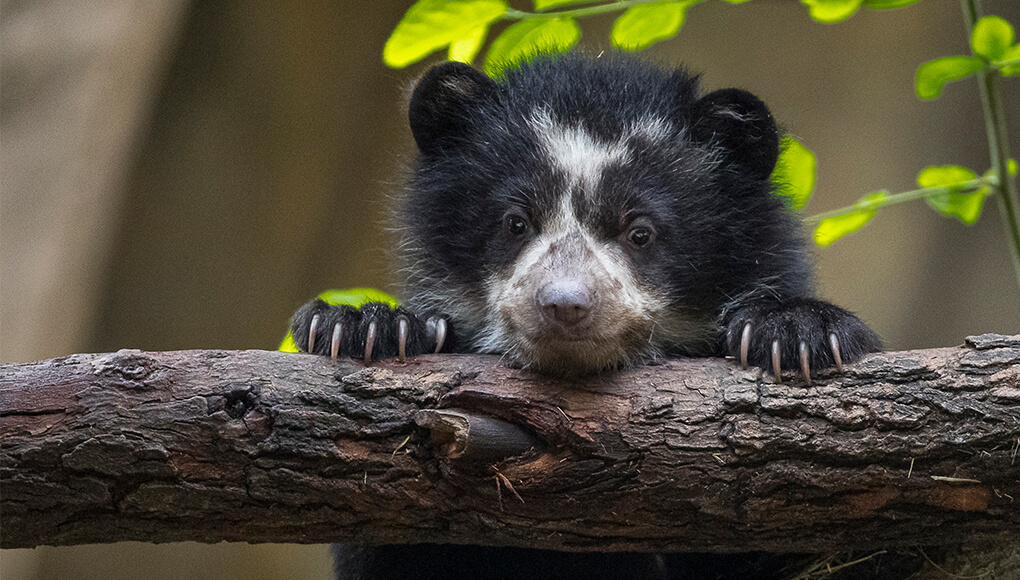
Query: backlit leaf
934	74
831	229
529	37
795	173
991	36
430	25
1009	62
1010	55
965	207
832	10
465	49
945	176
961	203
645	24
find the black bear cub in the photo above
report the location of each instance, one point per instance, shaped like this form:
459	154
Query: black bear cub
586	213
578	215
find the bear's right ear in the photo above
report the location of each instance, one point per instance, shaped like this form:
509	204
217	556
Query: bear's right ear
441	105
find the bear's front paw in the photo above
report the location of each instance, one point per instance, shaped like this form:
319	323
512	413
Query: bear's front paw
808	333
373	331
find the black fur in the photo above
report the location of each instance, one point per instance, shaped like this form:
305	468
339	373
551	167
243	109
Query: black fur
724	250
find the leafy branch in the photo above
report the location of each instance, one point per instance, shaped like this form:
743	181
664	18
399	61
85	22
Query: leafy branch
952	190
462	26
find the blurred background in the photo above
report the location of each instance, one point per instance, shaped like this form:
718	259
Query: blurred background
179	175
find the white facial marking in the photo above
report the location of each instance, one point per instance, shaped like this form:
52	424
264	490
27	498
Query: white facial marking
574	151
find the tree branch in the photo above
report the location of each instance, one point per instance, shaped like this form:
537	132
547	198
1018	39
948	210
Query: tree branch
904	448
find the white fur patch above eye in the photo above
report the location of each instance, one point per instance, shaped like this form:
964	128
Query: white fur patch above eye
574	151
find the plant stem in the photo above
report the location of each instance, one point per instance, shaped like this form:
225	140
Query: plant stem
894	199
998	143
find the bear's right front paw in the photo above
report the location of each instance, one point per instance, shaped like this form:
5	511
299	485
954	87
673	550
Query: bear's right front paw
374	331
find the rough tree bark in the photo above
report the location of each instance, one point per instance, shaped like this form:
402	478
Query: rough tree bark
916	447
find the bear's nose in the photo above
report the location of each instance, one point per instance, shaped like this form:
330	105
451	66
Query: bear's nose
565	301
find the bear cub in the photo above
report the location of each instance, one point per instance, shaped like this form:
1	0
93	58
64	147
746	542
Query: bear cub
586	213
576	216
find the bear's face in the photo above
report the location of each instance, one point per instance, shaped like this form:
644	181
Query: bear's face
577	276
570	242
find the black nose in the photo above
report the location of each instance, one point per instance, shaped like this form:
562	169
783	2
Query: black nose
565	301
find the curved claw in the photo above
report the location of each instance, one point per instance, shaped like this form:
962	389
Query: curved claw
370	340
834	346
440	333
402	326
776	369
311	333
334	345
805	365
745	344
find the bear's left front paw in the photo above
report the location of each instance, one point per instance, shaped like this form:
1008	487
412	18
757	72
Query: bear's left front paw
810	333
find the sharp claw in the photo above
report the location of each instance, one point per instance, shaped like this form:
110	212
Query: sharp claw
440	333
776	370
745	344
402	326
311	333
334	346
834	345
805	365
370	341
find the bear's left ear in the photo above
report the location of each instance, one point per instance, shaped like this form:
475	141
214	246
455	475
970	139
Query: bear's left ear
742	125
441	106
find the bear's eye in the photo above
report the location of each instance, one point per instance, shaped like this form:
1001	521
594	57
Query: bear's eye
640	236
515	225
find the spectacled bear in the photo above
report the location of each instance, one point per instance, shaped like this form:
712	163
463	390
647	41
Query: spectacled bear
577	215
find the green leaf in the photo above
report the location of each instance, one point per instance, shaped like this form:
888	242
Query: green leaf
888	4
736	1
831	229
991	36
953	176
527	38
829	11
645	24
430	25
795	173
934	74
963	205
465	49
1009	62
1010	55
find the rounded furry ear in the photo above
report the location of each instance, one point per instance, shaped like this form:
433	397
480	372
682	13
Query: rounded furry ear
742	125
440	105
